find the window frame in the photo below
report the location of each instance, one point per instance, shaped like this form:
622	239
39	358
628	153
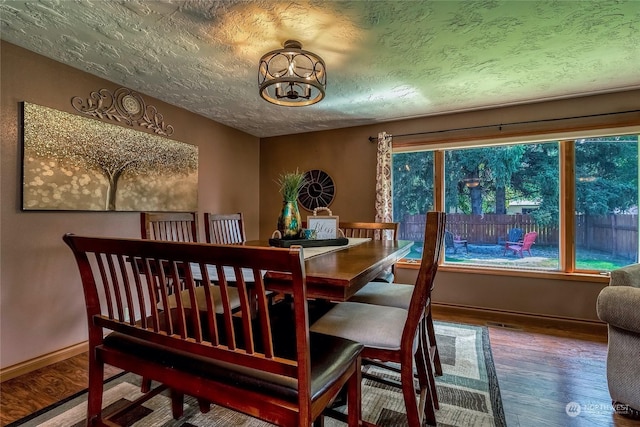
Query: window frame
566	177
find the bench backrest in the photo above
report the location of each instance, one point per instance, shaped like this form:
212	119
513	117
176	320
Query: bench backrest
126	283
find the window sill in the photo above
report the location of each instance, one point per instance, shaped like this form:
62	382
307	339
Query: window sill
552	275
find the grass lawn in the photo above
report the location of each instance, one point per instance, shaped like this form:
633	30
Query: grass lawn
541	258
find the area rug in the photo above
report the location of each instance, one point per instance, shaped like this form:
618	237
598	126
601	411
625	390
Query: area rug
468	393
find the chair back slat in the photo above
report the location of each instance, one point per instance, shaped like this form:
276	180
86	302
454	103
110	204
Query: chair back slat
228	314
243	294
372	230
211	321
169	226
263	304
224	229
127	287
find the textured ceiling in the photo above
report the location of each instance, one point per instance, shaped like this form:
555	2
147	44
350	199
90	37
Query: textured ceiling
385	60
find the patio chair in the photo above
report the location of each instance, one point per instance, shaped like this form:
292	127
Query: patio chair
514	238
524	245
515	235
450	242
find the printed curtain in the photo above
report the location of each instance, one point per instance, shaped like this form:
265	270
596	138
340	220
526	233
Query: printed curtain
384	207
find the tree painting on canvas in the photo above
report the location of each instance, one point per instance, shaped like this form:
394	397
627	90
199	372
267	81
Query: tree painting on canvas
77	163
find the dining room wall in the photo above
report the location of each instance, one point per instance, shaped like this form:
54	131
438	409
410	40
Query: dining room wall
41	301
349	157
41	305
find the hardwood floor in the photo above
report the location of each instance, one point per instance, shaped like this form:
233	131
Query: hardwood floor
544	365
541	366
31	392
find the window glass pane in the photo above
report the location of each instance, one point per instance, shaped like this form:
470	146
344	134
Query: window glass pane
412	196
502	206
606	186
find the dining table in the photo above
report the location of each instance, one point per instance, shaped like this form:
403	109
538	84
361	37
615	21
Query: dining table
338	273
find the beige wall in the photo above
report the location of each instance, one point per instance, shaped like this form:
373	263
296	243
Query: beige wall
349	157
346	155
41	305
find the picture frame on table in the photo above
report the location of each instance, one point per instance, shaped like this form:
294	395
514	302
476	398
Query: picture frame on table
326	227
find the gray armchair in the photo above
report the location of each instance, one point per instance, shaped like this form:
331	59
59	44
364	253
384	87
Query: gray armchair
619	305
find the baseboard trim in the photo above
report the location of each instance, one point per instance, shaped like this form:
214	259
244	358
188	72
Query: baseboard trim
42	361
517	318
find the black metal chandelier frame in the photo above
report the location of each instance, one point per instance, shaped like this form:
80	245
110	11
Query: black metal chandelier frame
292	77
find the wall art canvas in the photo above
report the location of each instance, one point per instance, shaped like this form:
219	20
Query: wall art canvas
76	163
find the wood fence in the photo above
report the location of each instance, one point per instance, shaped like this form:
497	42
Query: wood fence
615	234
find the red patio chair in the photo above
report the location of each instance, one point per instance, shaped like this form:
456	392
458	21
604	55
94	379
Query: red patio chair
518	248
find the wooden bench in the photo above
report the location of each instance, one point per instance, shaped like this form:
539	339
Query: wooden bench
285	376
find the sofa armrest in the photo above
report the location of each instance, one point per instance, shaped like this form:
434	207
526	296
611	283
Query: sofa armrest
626	276
620	306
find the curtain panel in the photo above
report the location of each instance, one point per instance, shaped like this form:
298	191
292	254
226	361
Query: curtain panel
384	198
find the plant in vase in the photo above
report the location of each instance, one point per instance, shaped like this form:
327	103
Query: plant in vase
289	224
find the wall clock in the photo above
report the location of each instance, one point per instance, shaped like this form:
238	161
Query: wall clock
318	190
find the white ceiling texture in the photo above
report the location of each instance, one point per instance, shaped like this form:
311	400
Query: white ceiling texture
386	60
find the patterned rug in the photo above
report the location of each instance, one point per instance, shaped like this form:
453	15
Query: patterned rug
468	392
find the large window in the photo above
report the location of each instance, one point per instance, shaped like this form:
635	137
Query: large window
508	205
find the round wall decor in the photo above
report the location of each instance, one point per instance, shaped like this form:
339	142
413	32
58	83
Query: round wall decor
318	190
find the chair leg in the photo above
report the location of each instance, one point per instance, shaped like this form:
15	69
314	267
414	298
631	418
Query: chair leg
354	408
177	407
428	403
427	391
428	379
408	392
204	405
94	404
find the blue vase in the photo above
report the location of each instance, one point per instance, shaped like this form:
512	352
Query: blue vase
289	224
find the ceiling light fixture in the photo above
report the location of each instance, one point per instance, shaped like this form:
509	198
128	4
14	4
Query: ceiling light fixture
291	76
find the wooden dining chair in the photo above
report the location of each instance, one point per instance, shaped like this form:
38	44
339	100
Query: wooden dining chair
224	229
399	295
375	231
227	229
283	375
178	227
392	334
169	226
